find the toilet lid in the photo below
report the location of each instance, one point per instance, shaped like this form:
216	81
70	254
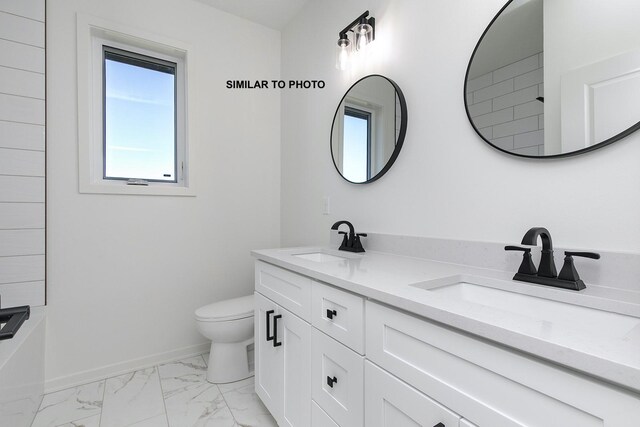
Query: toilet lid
231	309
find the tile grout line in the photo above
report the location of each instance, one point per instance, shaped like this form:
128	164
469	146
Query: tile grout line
164	403
227	405
104	392
206	363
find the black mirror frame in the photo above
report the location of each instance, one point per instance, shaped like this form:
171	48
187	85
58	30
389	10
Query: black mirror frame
401	134
604	143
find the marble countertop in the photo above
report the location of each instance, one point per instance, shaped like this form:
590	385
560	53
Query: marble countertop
609	353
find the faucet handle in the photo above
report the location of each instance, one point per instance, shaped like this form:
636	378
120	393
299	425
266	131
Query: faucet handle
569	271
527	266
517	248
357	244
592	255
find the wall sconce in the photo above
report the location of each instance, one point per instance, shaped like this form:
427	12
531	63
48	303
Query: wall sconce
364	32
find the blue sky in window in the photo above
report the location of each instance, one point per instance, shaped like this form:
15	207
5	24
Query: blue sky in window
354	149
139	114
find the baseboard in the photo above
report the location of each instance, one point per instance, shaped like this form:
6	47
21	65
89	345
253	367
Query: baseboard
91	375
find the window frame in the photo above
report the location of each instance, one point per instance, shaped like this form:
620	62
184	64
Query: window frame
137	57
92	34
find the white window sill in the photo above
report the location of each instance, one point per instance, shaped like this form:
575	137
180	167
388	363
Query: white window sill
137	190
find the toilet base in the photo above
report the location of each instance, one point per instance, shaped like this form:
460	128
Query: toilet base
229	362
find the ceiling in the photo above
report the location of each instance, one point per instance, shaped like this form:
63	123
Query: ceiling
271	13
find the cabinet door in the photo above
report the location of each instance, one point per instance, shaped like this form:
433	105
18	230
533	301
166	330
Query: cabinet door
269	362
296	349
338	380
319	418
390	402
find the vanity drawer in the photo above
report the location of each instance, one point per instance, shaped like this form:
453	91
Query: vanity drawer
337	383
487	384
390	402
338	314
319	418
290	290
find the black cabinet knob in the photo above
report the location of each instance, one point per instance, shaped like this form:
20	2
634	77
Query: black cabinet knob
331	313
331	381
439	425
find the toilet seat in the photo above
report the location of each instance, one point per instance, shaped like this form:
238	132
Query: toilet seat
231	309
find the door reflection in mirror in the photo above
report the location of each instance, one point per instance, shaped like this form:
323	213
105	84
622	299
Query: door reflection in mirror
552	78
368	129
356	155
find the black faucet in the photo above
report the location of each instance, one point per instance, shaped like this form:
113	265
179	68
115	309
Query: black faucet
546	273
350	242
547	266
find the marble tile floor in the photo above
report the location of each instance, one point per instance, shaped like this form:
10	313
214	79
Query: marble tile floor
174	394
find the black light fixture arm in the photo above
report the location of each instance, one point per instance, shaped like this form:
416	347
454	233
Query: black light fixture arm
360	19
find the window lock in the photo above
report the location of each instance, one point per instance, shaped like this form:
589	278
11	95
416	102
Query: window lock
133	181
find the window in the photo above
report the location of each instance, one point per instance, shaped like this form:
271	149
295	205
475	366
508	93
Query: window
356	160
132	111
139	117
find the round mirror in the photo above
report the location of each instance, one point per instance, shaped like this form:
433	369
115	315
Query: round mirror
556	78
368	129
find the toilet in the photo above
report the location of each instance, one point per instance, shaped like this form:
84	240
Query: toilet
229	326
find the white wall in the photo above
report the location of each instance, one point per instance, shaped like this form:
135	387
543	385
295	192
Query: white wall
446	182
22	146
127	272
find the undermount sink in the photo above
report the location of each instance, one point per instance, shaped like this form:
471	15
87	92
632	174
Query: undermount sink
319	257
483	293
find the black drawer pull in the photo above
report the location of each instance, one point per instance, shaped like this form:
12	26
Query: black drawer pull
275	330
269	336
331	313
331	381
439	425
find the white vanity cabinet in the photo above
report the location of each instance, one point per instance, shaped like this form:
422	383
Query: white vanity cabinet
346	361
488	384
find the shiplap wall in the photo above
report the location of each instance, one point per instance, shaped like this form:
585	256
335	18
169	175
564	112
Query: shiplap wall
22	152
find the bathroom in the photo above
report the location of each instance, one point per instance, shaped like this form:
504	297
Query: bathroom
114	272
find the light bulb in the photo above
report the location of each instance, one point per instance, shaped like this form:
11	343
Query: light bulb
364	35
343	53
